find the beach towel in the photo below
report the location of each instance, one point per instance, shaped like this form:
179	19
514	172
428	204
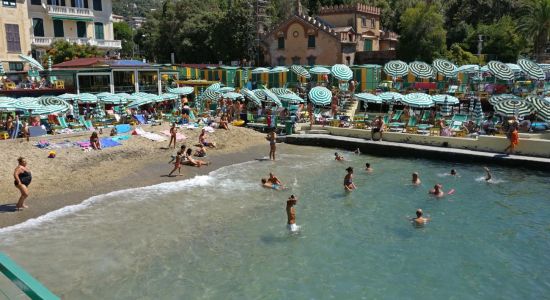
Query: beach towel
37	131
190	126
105	143
208	129
179	136
120	138
123	128
42	144
61	145
151	136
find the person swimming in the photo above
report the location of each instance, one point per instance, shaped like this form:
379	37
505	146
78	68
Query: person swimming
368	168
338	157
269	185
348	180
420	219
453	172
274	180
437	191
416	179
291	214
488	175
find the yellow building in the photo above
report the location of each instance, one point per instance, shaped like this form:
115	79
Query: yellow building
77	21
334	36
14	34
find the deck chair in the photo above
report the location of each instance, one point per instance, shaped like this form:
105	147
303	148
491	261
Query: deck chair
425	116
73	125
86	123
411	125
140	119
456	126
397	115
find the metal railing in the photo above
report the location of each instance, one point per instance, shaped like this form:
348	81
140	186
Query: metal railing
46	41
70	11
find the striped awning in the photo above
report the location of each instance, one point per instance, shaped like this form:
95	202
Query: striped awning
500	70
320	95
518	108
421	69
419	100
532	69
396	68
369	98
341	72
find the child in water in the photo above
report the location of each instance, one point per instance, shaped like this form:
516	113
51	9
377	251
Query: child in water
291	213
338	157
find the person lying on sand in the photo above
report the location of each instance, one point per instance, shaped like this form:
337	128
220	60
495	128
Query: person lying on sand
189	160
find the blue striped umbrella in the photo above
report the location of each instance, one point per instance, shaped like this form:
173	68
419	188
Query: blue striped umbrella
300	71
251	96
390	97
184	90
532	70
86	98
396	68
233	96
421	69
281	91
369	98
500	97
445	67
214	87
320	95
440	98
541	105
319	71
419	100
517	108
291	98
500	70
341	72
260	70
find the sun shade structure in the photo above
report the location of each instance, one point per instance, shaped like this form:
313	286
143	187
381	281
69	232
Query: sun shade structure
211	95
320	95
541	105
251	96
390	97
369	98
419	100
281	91
260	70
468	69
501	97
319	71
31	61
532	69
291	98
86	98
341	72
7	104
441	98
518	108
445	67
184	90
300	71
396	68
421	69
68	97
500	70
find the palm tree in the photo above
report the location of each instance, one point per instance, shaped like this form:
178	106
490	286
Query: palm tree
535	24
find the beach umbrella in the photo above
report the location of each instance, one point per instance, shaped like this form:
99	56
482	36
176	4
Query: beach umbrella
214	87
319	71
518	108
290	98
184	90
68	96
7	104
86	98
497	98
500	70
33	62
50	105
421	69
446	109
28	104
2	71
267	96
300	71
50	63
260	70
396	68
281	91
51	100
233	96
211	95
532	70
419	100
251	96
390	97
170	96
226	89
445	67
440	98
151	97
541	105
128	97
341	72
475	109
320	95
468	69
369	98
515	68
279	69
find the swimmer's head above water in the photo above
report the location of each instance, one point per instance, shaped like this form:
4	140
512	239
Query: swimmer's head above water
453	172
419	213
349	170
292	200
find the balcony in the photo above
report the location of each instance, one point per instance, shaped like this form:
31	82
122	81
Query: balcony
102	44
65	12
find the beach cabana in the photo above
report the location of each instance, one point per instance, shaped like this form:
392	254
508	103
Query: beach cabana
367	77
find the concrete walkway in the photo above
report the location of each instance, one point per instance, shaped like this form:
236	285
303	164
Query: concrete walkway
384	148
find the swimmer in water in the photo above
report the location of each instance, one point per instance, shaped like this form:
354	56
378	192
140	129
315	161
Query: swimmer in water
420	219
338	157
488	176
437	191
453	172
291	213
416	179
269	185
368	168
348	180
274	180
357	151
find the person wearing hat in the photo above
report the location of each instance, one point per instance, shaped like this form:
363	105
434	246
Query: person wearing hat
348	180
420	219
291	213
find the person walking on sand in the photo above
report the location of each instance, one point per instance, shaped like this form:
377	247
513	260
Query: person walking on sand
173	132
177	164
23	178
272	138
291	214
513	136
348	180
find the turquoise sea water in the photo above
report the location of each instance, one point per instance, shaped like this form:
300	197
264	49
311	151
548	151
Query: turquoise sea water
222	236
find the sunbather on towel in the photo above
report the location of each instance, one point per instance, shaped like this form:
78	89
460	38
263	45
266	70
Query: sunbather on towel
95	143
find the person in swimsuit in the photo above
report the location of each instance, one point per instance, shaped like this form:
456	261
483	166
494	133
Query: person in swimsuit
513	136
338	157
224	122
310	114
182	150
488	175
274	180
269	185
348	180
173	132
368	168
23	178
453	172
177	164
95	143
437	191
201	152
203	141
272	138
415	179
194	162
420	219
377	127
291	213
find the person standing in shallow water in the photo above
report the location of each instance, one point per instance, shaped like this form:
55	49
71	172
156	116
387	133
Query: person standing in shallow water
348	180
23	178
272	138
291	213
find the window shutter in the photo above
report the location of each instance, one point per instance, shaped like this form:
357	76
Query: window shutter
85	3
73	3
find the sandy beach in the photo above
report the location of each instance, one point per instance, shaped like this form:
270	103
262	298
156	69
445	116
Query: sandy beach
75	175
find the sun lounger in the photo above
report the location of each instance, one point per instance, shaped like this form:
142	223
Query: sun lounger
411	125
425	116
396	116
141	119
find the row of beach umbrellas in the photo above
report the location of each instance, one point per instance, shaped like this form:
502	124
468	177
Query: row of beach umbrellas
339	71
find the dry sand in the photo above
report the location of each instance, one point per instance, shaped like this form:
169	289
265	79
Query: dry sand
75	175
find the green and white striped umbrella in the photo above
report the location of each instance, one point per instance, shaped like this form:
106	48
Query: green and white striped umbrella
421	69
279	69
51	100
500	70
532	69
226	89
419	100
233	96
33	62
300	71
2	71
319	71
128	97
86	98
281	91
445	67
497	98
51	105
214	87
468	69
68	97
260	70
320	95
267	96
341	72
169	96
391	97
211	95
518	108
541	105
28	104
152	97
290	98
369	98
370	66
251	96
7	104
396	68
446	108
478	111
184	90
441	98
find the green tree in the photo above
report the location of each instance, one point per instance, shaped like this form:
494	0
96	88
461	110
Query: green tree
501	40
62	50
460	56
422	34
124	33
535	24
235	33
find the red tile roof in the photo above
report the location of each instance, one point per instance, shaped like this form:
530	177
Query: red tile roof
79	62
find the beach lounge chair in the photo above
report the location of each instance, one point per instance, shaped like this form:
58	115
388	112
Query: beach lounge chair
425	116
140	119
86	123
397	116
73	125
411	125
